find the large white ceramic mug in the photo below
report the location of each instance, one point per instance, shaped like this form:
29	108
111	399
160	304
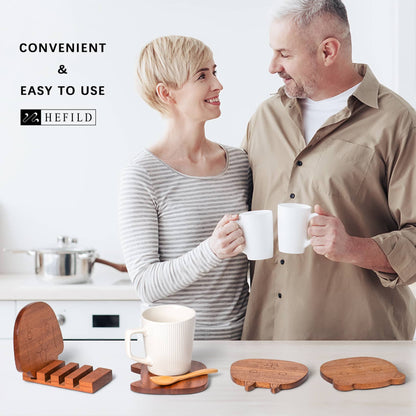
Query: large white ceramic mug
168	333
257	227
292	227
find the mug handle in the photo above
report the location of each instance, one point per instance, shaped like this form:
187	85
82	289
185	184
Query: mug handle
314	214
129	333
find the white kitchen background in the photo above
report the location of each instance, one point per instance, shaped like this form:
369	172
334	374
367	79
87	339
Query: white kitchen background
65	180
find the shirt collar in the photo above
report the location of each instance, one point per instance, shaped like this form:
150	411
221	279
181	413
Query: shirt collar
367	91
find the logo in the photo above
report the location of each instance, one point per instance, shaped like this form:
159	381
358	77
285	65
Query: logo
30	117
58	117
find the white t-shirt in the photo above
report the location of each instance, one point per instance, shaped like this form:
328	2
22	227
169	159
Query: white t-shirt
315	113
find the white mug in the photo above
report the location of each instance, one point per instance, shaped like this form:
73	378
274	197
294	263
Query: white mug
257	227
292	227
168	333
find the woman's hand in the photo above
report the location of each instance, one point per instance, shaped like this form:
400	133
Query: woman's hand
227	240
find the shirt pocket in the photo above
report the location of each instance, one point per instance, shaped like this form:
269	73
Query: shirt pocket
342	169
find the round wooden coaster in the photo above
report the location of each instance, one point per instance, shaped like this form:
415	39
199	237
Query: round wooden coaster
273	374
361	373
145	385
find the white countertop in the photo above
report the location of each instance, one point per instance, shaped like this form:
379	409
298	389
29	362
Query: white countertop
223	397
103	286
106	286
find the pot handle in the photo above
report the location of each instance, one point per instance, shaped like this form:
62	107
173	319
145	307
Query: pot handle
119	267
30	252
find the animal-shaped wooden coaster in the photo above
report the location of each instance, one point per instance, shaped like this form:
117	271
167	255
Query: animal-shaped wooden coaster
37	343
361	373
145	385
269	374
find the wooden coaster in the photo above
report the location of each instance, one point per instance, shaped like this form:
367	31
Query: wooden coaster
269	374
37	338
361	373
37	343
145	385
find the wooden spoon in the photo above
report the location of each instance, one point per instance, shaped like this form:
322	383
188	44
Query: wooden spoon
167	380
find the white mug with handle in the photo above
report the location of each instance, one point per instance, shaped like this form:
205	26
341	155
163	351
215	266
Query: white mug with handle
168	333
292	227
257	227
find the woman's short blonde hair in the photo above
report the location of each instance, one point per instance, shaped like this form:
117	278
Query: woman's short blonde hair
170	60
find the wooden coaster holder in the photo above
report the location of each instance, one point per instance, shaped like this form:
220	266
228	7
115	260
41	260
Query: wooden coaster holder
37	344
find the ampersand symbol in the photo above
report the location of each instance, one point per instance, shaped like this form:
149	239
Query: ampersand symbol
62	69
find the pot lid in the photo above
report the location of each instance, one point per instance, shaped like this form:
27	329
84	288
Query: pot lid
67	245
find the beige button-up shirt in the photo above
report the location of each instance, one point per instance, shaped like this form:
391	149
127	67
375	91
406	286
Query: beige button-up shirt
361	167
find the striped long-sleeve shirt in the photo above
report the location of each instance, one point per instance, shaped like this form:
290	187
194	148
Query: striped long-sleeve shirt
166	218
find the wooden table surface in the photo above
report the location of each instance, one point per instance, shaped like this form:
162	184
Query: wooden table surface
223	397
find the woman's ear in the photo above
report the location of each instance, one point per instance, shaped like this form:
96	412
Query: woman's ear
164	94
329	50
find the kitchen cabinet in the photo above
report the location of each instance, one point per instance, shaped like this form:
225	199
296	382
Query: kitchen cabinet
7	313
96	319
101	309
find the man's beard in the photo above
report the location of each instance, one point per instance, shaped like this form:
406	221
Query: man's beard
297	91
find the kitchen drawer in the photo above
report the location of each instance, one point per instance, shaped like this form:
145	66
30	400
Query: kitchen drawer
7	313
94	319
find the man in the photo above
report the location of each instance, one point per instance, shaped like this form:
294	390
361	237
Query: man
336	139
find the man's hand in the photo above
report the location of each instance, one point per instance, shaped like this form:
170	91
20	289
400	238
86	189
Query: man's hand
329	238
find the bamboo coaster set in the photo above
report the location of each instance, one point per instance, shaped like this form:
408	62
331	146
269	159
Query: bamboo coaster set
356	373
37	343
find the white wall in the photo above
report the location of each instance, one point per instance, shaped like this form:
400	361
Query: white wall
64	180
384	36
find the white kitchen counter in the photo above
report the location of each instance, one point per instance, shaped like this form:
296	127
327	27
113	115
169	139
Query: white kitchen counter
223	397
76	305
103	287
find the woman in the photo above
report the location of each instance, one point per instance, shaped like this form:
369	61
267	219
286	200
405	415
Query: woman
178	245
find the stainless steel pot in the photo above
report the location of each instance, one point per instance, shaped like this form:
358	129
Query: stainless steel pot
67	263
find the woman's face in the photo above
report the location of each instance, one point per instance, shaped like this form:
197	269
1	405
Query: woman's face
198	99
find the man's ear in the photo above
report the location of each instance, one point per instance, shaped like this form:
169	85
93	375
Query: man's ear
329	50
164	93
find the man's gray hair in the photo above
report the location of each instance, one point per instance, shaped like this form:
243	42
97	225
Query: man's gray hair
303	12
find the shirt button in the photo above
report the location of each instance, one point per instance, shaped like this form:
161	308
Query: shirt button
282	262
299	163
279	295
292	196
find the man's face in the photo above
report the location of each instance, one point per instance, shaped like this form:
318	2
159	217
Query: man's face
293	60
